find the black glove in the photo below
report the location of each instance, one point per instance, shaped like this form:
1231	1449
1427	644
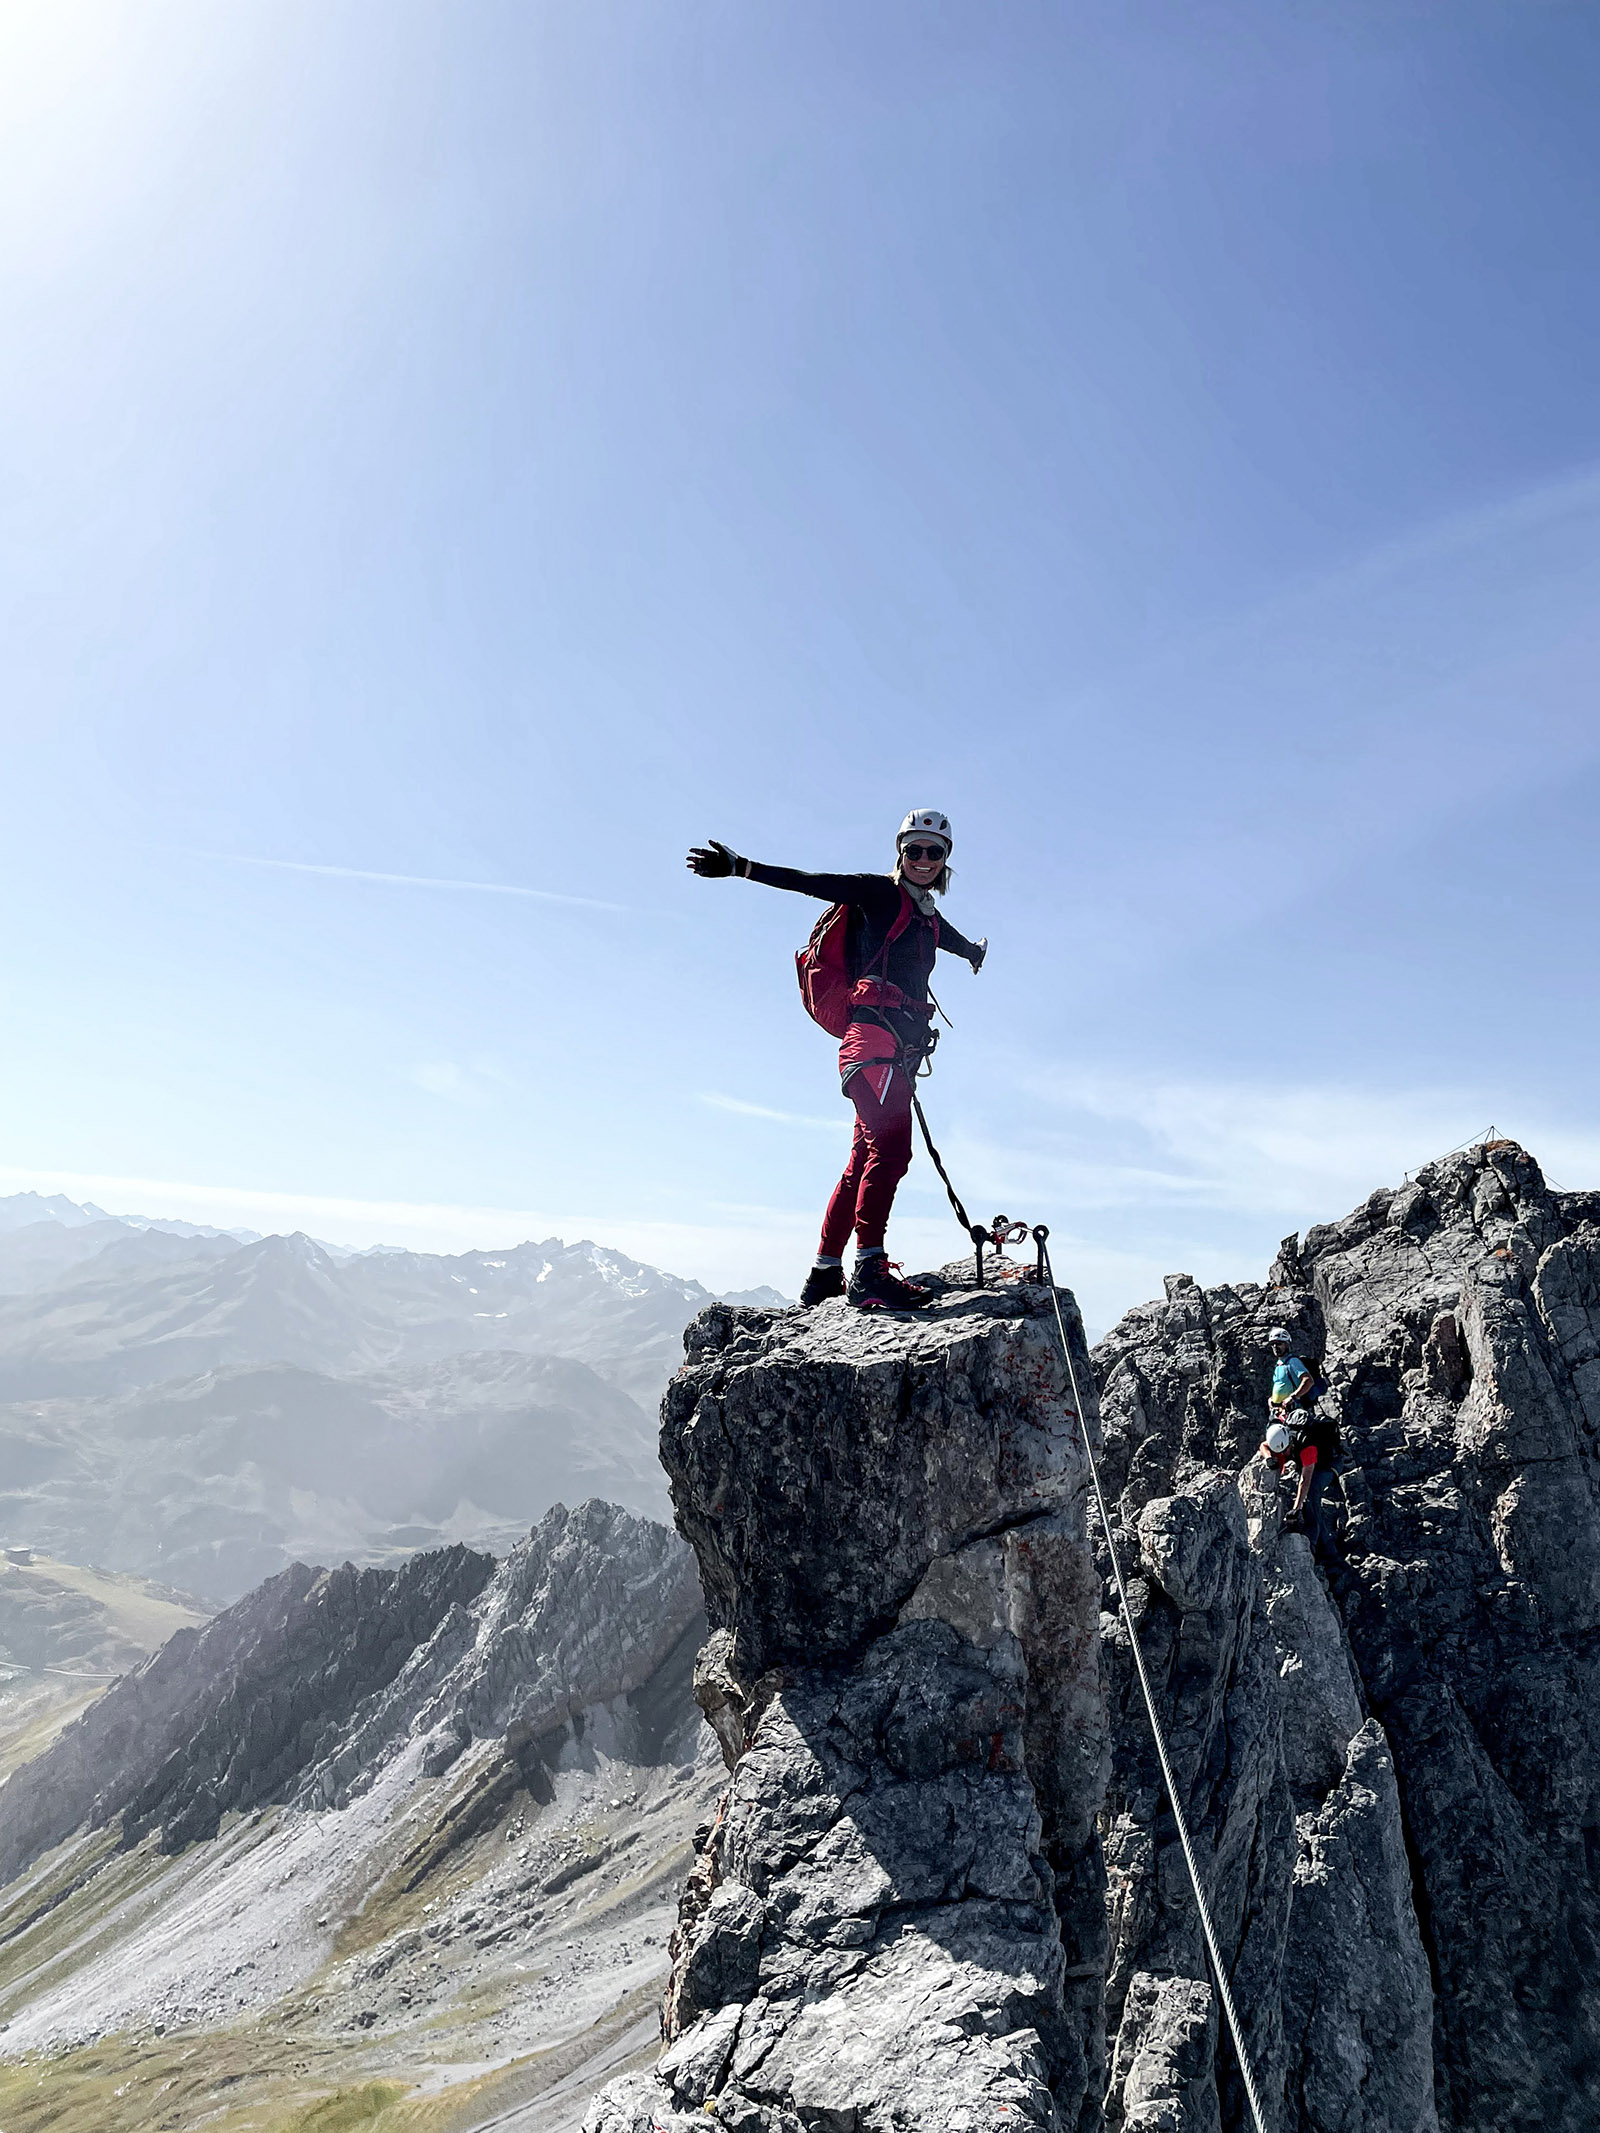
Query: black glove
715	862
978	954
1295	1522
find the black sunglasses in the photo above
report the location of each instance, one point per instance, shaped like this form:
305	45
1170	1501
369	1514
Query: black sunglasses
922	851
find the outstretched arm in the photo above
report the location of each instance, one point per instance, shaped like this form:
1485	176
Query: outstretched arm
955	943
873	892
714	861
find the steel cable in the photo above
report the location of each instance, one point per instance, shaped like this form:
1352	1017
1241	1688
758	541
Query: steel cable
1224	1993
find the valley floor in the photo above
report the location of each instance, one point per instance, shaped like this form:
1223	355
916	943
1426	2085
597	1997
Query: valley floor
66	1631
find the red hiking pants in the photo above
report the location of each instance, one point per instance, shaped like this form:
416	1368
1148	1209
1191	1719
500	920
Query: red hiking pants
880	1154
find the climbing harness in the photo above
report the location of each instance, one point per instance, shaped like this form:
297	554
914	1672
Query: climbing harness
1000	1233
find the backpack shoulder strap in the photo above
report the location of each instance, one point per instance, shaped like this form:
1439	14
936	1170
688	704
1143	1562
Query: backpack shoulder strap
902	917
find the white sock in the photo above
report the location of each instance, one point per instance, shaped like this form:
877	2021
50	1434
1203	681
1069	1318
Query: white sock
823	1260
871	1251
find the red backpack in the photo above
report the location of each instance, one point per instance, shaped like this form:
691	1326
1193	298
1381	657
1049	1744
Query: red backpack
826	985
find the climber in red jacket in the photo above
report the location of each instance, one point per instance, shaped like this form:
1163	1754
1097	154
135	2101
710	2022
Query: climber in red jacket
894	932
1298	1439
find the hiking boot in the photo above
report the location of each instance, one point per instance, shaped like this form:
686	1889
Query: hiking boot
821	1283
873	1287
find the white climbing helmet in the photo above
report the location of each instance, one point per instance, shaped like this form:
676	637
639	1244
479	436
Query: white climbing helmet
925	822
1278	1439
1281	1333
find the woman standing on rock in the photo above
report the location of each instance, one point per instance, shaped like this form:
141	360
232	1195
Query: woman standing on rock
865	977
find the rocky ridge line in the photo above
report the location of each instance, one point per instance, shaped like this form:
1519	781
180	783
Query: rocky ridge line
1431	1906
227	1715
593	1620
1390	1764
313	1683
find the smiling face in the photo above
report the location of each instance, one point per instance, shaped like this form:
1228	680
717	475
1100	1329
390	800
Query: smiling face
922	860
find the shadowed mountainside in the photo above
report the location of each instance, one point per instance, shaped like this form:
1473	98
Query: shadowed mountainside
412	1831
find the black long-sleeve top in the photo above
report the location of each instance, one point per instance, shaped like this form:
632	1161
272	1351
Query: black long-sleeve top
873	901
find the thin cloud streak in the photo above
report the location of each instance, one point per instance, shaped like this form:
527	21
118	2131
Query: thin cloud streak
741	1109
1266	1148
412	881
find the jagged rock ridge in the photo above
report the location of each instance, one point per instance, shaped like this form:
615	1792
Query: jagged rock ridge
227	1715
310	1685
594	1608
1390	1764
1437	1705
897	1917
399	1820
943	1888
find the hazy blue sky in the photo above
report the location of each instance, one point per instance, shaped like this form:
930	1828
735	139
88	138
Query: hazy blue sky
502	443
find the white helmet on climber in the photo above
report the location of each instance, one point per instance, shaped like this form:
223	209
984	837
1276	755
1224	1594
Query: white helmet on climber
925	822
1280	1333
1278	1440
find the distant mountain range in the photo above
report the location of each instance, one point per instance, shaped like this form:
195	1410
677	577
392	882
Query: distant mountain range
201	1407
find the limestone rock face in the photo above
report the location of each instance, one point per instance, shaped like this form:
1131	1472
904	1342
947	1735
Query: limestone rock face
1438	1687
1352	1898
1208	1646
898	1916
1162	2068
945	1889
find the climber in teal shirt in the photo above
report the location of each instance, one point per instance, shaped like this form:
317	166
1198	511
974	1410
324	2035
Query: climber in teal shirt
1298	1436
1288	1375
